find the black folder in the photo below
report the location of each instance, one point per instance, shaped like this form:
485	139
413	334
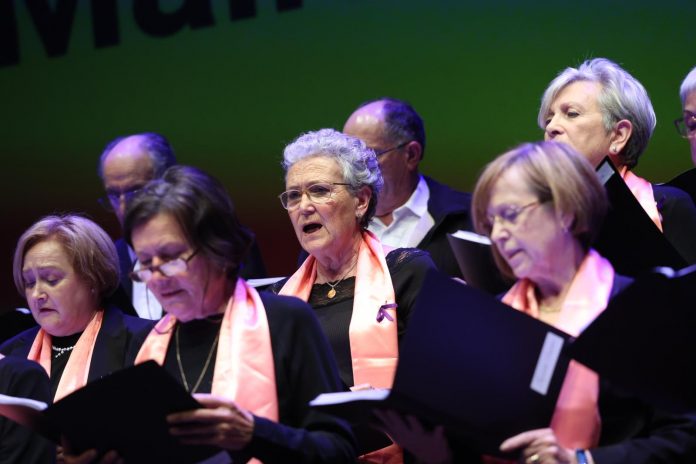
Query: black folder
475	260
685	181
124	411
628	237
480	368
645	340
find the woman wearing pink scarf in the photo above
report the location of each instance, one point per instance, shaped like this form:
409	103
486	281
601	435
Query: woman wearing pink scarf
541	205
361	291
600	110
66	267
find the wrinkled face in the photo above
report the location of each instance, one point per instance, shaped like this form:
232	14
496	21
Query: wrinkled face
126	169
690	106
526	233
195	293
367	124
329	228
575	118
60	300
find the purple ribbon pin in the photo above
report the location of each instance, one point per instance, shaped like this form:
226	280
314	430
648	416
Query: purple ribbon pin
382	313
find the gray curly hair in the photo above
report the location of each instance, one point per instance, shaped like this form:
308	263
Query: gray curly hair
358	163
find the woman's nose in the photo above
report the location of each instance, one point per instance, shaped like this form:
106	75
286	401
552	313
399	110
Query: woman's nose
498	231
306	204
38	293
552	129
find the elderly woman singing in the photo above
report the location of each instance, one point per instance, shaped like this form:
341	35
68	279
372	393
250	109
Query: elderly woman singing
361	291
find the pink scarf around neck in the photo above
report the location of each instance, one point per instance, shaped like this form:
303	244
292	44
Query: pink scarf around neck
76	370
373	334
244	365
576	420
643	191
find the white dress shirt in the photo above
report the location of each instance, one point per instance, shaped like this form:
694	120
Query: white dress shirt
144	301
411	222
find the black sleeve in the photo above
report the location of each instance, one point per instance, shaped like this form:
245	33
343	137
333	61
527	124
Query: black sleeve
304	368
26	379
634	432
678	220
408	267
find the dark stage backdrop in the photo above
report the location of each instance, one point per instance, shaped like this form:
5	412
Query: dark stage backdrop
231	82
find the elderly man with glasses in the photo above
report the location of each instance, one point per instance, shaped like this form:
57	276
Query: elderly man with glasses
126	165
686	125
412	210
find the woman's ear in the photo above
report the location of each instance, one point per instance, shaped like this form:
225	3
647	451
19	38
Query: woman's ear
566	221
620	135
363	196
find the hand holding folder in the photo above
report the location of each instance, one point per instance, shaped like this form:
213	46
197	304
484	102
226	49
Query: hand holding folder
124	412
470	363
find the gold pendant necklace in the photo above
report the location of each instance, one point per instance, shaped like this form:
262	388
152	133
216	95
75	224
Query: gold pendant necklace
181	367
332	292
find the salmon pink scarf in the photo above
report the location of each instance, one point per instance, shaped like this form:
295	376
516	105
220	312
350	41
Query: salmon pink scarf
244	367
643	191
374	347
576	420
77	368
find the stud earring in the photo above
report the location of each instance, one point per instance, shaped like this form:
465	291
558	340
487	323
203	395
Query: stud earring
613	149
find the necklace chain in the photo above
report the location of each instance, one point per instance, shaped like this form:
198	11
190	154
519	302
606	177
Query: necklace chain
205	366
61	351
332	292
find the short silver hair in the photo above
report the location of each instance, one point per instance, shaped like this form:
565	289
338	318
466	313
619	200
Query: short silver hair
622	97
358	163
688	86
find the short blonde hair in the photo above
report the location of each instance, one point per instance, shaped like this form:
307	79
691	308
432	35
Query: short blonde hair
555	173
89	248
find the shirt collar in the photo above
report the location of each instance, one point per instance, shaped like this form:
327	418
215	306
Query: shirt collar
417	203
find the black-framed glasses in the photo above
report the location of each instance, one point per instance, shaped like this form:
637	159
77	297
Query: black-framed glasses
168	268
112	200
320	192
686	125
509	214
379	153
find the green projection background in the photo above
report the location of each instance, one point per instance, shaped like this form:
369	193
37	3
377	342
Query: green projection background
230	95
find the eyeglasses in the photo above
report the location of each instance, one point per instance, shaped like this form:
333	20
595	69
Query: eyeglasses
379	153
509	214
112	200
168	268
318	193
686	125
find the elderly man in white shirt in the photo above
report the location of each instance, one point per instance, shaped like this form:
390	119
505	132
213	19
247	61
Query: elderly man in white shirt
412	210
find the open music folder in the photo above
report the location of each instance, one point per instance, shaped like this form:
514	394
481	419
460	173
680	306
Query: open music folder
480	368
475	259
628	237
645	340
124	411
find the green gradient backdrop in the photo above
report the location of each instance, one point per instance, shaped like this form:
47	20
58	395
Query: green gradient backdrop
230	96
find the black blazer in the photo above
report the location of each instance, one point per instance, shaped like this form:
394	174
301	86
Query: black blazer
450	210
678	219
